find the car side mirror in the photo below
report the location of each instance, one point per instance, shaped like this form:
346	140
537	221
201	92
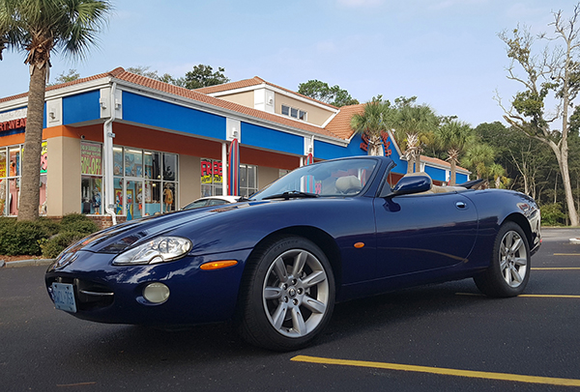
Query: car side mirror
410	185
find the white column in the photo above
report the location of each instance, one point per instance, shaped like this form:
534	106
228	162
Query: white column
224	169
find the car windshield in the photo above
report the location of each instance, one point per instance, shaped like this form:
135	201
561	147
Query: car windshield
346	177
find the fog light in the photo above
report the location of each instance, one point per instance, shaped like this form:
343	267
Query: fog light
156	292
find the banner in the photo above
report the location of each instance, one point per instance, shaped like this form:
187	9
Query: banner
91	163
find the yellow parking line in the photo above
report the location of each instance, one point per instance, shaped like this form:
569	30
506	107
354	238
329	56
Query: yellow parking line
548	296
555	268
441	371
566	254
527	295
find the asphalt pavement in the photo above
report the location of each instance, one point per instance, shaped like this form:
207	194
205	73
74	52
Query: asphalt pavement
443	337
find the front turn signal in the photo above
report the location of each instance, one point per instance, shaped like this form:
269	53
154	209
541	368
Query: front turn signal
215	265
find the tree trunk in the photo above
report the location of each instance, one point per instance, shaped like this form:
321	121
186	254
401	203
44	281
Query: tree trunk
417	161
410	163
30	181
374	145
453	172
572	213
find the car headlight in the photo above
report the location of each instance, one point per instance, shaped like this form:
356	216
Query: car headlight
157	250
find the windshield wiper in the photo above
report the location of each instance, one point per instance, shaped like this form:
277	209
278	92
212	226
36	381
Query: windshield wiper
291	195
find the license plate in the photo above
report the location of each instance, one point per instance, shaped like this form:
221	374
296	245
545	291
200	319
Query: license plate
63	295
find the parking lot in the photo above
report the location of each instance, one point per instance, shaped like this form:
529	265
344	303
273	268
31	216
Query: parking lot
436	338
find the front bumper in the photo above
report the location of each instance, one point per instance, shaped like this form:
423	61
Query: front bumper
114	294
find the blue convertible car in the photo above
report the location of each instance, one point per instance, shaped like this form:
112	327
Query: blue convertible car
276	264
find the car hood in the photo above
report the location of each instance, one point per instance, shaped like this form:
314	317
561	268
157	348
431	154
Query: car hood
122	236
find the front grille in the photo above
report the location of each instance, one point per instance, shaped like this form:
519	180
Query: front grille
88	295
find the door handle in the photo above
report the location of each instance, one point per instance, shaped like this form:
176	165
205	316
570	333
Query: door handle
461	205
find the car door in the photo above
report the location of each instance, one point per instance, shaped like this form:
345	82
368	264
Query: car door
417	233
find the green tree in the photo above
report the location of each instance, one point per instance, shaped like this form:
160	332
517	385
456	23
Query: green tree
413	125
528	163
553	74
371	123
63	77
321	91
38	27
204	76
478	158
453	137
165	78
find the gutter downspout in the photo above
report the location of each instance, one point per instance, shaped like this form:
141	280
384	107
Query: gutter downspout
108	136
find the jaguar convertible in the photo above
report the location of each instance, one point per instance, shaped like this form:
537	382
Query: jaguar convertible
276	264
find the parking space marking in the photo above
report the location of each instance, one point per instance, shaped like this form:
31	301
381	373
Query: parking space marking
548	296
566	254
527	295
555	268
441	371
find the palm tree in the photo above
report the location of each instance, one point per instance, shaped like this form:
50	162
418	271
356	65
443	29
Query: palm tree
372	122
479	157
498	173
38	27
413	121
453	137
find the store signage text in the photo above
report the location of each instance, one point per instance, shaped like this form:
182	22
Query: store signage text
91	159
386	143
211	172
13	124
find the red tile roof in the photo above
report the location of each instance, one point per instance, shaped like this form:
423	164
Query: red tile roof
340	124
121	74
198	96
439	162
255	81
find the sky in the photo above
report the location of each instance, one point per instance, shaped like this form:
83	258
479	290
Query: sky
447	53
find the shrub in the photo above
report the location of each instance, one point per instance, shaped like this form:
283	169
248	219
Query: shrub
56	244
52	226
552	215
23	238
43	236
73	227
84	227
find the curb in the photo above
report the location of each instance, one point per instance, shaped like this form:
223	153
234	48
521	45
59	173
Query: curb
25	263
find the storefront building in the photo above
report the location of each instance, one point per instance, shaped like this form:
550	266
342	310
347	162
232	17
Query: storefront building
124	146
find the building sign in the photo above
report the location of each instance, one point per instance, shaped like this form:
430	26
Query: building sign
13	124
386	143
211	172
91	159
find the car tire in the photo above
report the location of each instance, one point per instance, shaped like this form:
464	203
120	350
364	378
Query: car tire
287	294
509	272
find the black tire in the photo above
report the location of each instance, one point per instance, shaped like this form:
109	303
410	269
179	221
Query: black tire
509	272
287	295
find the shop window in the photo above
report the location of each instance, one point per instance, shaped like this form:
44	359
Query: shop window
133	163
152	165
248	180
211	177
169	197
10	177
169	167
145	182
91	178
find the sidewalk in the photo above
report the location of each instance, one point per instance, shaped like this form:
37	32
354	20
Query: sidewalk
25	263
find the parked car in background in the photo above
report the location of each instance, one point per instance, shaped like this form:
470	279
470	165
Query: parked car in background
209	201
276	264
